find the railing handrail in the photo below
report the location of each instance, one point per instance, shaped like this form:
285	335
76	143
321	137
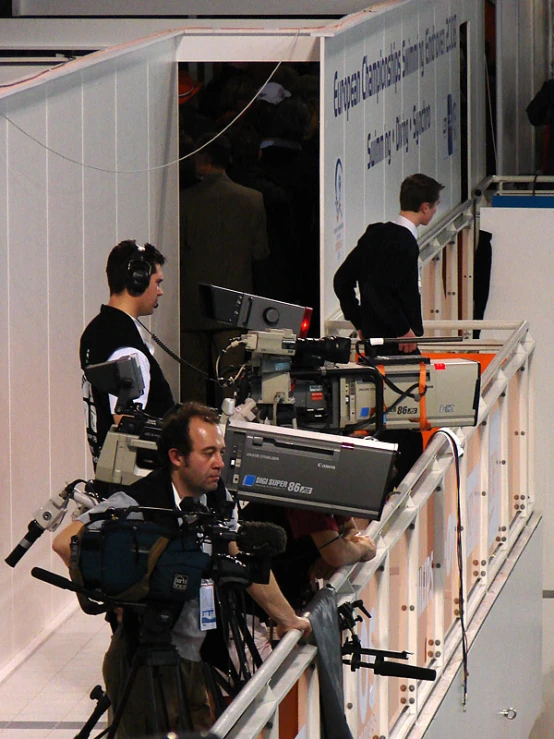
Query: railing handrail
396	512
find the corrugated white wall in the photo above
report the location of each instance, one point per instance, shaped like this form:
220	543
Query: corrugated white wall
522	65
114	110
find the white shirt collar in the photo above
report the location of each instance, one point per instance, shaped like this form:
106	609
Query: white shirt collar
202	499
402	221
176	496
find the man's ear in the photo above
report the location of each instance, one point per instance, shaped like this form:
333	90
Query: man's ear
176	457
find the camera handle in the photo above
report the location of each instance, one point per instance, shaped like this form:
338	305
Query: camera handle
49	516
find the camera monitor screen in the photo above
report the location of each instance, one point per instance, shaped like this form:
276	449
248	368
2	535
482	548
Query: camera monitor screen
121	377
310	470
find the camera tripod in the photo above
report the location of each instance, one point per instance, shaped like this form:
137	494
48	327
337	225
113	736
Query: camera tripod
225	676
160	660
153	651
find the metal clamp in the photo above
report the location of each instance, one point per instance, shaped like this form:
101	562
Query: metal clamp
509	713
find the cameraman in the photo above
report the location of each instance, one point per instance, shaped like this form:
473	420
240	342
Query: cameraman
191	445
135	279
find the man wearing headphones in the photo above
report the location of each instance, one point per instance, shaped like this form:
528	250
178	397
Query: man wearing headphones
135	280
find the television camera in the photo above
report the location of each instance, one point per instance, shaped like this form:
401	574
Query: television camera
335	384
123	558
302	388
285	466
120	555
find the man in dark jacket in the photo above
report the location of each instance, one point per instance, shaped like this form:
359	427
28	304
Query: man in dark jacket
223	232
191	445
384	265
135	280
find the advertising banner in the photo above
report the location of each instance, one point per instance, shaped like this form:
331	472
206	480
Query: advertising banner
391	101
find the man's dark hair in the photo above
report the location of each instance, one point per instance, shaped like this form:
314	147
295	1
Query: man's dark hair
245	145
175	432
121	255
218	151
418	189
290	120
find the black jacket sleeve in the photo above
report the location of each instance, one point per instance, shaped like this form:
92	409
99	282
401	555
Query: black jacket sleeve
540	109
344	285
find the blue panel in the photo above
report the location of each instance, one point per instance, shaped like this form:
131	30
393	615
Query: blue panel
523	201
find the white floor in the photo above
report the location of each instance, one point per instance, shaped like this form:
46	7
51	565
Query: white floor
47	697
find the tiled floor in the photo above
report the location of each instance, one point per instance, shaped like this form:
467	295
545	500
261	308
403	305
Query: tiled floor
47	697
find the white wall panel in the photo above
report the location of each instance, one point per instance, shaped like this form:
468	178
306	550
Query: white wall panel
131	131
59	220
28	347
64	234
6	501
164	183
100	194
521	69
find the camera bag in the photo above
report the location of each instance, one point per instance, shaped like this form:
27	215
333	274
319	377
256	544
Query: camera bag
133	560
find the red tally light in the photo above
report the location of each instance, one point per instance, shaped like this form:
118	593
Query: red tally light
305	325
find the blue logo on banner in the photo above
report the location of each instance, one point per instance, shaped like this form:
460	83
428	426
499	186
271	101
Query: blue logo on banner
249	480
338	191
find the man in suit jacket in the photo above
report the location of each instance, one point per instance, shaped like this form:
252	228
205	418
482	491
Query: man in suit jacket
384	265
223	231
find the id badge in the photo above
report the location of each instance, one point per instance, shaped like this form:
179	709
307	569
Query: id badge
207	606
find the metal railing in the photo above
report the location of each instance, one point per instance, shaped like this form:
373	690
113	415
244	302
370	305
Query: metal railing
411	587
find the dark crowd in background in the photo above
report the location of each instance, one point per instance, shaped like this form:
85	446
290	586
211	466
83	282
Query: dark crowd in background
274	149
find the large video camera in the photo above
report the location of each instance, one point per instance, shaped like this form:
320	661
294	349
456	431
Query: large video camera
336	384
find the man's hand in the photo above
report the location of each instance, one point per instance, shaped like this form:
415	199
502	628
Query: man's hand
296	622
366	545
407	348
62	541
274	603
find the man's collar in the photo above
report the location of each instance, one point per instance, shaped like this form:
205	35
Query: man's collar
406	223
202	499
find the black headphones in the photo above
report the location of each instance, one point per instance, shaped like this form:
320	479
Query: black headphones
137	273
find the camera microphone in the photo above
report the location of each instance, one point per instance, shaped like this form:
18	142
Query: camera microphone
262	539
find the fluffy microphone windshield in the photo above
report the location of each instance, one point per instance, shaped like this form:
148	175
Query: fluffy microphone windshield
262	539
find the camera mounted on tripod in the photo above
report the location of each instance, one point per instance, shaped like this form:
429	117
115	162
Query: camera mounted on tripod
123	557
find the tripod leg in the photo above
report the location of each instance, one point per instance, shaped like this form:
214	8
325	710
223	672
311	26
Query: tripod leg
118	713
248	639
215	683
244	672
153	710
102	705
172	699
